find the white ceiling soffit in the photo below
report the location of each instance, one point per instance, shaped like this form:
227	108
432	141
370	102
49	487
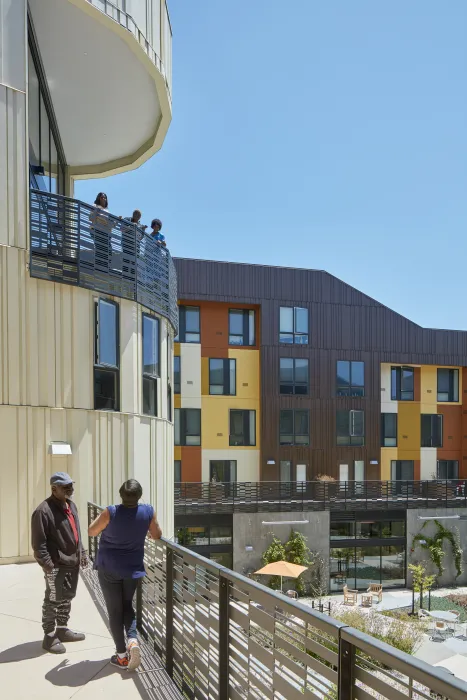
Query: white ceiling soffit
104	94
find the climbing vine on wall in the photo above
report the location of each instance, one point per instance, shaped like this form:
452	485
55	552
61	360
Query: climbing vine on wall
434	545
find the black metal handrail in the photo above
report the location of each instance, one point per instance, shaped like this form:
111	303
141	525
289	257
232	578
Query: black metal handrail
222	635
276	496
78	244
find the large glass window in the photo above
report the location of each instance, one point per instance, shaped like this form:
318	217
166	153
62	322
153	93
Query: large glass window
350	378
294	427
151	368
448	384
106	356
350	428
222	377
241	327
432	429
359	566
389	430
293	375
177	471
242	428
293	325
402	383
187	426
447	469
188	324
286	471
46	157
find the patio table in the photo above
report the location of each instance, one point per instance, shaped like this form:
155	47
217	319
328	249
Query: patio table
443	615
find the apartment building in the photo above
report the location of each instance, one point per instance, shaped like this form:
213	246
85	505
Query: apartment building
89	305
285	376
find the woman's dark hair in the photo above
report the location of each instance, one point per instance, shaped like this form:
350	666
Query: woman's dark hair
98	198
130	492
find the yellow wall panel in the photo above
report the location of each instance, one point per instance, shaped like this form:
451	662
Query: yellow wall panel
177	452
248	377
428	388
215	420
387	455
408	427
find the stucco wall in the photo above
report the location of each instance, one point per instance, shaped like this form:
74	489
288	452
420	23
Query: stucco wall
253	529
414	526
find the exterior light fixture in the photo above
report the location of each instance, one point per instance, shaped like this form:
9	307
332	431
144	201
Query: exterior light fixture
438	517
60	448
285	522
373	461
249	548
270	461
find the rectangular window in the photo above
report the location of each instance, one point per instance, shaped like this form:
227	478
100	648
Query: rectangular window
389	430
402	470
151	364
187	426
242	428
350	378
432	430
293	325
294	427
177	471
402	383
222	377
448	384
224	470
106	356
350	428
188	325
447	469
293	376
241	327
177	374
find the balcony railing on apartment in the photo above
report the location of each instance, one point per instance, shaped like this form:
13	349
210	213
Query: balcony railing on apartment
221	635
75	243
276	496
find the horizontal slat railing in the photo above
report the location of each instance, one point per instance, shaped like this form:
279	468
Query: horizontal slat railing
75	243
276	496
222	635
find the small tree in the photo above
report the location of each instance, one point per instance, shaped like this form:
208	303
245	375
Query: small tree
297	552
421	581
275	552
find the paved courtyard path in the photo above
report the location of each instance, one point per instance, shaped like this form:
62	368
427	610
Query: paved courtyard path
84	672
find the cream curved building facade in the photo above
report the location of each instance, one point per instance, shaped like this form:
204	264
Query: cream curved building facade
88	304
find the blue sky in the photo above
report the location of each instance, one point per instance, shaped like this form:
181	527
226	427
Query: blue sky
328	134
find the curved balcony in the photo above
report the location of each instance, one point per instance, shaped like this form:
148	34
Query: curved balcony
108	70
75	243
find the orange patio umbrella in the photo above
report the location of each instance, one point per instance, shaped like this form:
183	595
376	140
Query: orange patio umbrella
282	569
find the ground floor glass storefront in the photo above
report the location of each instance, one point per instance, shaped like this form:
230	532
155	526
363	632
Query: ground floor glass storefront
367	548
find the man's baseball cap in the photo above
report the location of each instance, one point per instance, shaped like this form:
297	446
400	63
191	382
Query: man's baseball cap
61	479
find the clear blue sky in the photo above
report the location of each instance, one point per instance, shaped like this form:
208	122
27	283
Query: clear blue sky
328	134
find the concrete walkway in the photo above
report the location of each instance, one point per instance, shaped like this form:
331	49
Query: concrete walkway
84	672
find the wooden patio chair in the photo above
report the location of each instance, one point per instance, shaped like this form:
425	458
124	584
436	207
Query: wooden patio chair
350	596
376	590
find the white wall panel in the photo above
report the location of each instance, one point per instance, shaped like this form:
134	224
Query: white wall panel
13	182
428	462
248	463
190	360
13	43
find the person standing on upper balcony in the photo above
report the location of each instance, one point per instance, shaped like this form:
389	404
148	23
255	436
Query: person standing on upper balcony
136	219
99	221
156	226
120	565
58	549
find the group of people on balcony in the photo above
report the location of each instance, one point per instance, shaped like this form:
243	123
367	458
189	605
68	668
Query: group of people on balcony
102	203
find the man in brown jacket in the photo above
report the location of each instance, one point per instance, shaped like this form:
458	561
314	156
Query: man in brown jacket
58	549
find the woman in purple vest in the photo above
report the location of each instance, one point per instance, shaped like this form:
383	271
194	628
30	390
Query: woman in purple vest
120	565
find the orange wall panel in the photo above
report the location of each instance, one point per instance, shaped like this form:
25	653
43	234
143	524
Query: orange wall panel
416	469
191	463
452	431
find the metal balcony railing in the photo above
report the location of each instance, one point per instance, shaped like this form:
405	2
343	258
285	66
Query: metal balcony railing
221	635
75	243
276	496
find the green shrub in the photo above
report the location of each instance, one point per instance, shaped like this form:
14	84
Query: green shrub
401	634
